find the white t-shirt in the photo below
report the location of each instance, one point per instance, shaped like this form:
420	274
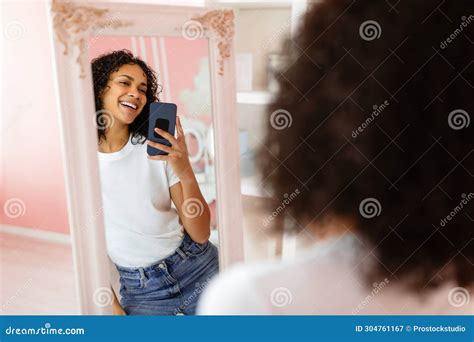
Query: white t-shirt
325	279
141	226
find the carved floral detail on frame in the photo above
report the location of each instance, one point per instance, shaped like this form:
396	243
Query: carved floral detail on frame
220	23
73	23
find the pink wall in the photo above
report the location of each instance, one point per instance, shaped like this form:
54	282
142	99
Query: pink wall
32	190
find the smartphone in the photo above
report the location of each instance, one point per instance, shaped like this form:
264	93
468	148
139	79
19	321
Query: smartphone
163	116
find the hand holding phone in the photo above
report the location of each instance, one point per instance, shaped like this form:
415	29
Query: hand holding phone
176	154
163	116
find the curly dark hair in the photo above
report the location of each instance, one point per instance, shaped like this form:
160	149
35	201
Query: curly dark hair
106	64
371	124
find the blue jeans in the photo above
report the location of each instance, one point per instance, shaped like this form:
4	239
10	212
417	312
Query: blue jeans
171	286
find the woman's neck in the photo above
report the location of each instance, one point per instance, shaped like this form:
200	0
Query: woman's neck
116	137
332	227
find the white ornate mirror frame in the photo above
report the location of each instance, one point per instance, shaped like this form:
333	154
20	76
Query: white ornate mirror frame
72	26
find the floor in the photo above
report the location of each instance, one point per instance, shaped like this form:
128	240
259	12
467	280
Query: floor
37	277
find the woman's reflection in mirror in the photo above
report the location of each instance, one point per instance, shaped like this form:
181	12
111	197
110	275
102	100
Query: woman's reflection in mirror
162	254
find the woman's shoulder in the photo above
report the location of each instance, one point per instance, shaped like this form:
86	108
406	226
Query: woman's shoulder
328	278
232	292
276	285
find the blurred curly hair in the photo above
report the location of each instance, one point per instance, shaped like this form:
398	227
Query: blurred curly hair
371	124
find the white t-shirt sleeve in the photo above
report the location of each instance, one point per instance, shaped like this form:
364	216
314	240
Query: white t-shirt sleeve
172	178
232	293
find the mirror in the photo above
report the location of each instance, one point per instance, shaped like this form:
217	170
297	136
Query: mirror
114	205
141	237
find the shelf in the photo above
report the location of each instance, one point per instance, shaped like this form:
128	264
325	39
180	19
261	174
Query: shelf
251	186
251	4
254	97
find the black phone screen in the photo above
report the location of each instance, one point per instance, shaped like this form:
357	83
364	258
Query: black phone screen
161	124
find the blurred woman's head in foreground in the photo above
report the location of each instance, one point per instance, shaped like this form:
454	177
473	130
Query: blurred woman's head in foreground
371	126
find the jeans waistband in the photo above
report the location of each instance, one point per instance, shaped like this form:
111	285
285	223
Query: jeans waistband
177	255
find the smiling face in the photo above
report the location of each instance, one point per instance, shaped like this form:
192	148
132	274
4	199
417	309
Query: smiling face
125	94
